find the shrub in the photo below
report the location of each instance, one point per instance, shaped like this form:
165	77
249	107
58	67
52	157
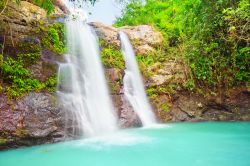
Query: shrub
54	39
112	57
212	37
18	78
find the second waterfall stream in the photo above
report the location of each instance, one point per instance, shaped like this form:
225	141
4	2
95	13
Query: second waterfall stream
134	90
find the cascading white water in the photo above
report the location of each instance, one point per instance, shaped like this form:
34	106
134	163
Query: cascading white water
133	85
82	88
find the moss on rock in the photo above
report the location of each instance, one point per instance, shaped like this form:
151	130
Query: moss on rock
3	141
54	38
111	56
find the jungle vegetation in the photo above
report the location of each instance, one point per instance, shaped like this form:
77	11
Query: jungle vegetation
212	37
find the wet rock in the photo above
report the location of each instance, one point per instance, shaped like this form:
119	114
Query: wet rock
114	74
43	69
114	77
180	116
27	11
128	118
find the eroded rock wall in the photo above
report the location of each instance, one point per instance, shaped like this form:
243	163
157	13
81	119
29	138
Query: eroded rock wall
28	116
167	84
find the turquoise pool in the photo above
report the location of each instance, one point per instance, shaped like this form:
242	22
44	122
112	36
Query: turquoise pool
180	144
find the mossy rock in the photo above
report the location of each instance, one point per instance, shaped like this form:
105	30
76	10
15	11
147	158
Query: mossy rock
111	56
54	38
3	141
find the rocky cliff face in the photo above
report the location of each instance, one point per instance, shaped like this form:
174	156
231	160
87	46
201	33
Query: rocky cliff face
167	84
34	119
32	116
28	109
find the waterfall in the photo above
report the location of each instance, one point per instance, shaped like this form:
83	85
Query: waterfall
82	89
133	85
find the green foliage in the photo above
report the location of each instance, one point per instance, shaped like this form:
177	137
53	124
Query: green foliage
19	80
50	83
2	3
165	107
152	93
18	77
3	141
112	57
190	85
152	57
220	58
166	15
45	4
54	38
1	60
211	36
13	69
28	52
29	58
114	87
147	61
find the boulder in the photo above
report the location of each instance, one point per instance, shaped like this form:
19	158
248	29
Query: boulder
107	33
144	37
127	117
185	106
21	21
35	117
41	114
169	72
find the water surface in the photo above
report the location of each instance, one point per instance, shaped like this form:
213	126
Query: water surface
191	144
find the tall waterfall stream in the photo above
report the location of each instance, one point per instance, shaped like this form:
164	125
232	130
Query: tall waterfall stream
82	88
